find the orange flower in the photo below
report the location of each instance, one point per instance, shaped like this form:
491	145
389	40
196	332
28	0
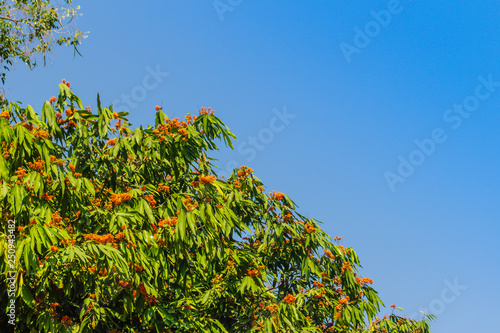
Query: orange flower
289	299
344	300
158	108
117	199
5	115
310	229
329	254
164	188
253	273
170	221
103	239
29	127
367	280
277	195
188	203
345	266
207	179
111	142
66	321
393	306
204	110
42	134
56	217
52	100
20	173
318	284
115	115
54	248
46	197
151	200
37	165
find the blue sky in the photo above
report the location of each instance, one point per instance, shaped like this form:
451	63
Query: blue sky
334	129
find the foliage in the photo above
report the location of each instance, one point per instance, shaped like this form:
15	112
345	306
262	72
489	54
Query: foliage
122	230
28	29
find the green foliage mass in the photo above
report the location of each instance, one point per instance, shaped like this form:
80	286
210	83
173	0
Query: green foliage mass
29	30
122	230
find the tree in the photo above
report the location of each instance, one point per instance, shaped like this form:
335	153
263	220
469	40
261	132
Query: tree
29	30
122	230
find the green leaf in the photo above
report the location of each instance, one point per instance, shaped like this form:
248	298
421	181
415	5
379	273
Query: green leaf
49	115
89	186
27	297
4	171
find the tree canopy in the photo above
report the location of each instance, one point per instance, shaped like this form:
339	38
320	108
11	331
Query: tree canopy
132	230
29	30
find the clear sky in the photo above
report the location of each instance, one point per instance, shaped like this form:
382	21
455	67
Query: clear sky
379	118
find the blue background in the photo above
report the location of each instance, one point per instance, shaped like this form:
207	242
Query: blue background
353	117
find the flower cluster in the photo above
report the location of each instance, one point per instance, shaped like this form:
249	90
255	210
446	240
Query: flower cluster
117	199
124	284
253	273
277	195
342	302
46	197
309	228
66	321
272	308
41	134
69	242
37	165
206	111
151	200
55	219
244	172
189	205
318	284
70	112
345	266
329	254
5	152
217	279
20	173
56	160
164	188
103	239
362	281
170	221
171	128
207	179
289	299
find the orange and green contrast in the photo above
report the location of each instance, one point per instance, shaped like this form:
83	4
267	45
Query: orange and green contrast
131	230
